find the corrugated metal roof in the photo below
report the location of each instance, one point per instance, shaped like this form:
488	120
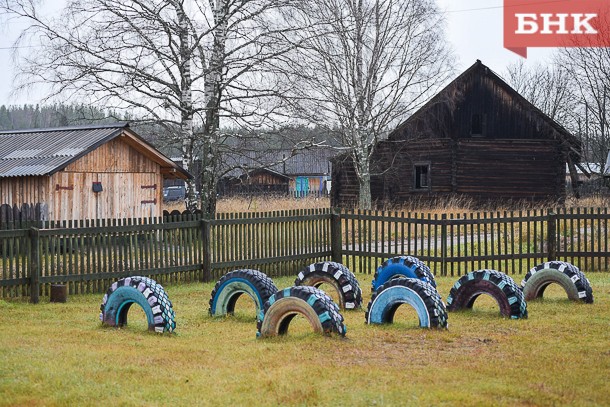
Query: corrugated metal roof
43	151
305	162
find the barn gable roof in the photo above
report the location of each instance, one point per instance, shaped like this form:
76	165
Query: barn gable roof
478	68
37	152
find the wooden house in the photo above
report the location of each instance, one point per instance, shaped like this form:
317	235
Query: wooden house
85	172
309	172
300	174
477	138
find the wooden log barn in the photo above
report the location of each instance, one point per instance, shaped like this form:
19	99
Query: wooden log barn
84	172
477	138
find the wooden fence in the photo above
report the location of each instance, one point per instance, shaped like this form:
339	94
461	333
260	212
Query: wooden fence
454	244
89	256
21	213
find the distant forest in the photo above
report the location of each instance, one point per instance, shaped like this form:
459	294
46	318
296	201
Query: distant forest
60	115
55	115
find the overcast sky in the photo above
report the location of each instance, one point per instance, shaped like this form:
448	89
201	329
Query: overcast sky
474	28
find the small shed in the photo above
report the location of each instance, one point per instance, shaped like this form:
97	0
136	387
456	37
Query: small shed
84	172
477	138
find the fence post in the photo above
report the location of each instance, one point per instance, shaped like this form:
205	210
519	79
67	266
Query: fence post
207	250
336	244
34	265
444	244
551	236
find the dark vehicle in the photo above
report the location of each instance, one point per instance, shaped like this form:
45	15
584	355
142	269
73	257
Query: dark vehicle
175	193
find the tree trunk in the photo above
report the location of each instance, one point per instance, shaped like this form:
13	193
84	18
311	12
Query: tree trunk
212	95
363	172
364	198
186	109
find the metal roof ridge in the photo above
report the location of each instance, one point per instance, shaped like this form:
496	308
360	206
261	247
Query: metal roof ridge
116	125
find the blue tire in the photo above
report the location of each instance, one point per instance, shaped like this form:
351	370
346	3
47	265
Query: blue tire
144	292
232	285
420	295
402	266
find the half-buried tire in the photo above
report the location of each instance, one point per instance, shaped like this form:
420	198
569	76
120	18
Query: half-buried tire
337	276
402	266
497	285
232	285
418	294
147	294
566	275
318	308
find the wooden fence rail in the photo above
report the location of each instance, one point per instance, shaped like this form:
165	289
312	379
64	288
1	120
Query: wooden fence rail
88	256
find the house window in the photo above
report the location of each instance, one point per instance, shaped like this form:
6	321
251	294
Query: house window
422	173
476	125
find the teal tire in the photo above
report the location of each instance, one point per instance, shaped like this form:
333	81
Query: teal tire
232	285
144	292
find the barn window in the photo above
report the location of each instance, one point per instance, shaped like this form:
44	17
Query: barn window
476	126
422	172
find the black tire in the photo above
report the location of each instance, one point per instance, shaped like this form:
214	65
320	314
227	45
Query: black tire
420	295
336	275
317	307
567	275
143	291
235	283
498	285
402	266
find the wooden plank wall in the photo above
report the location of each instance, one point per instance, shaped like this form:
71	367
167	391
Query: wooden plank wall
132	186
515	169
23	190
124	195
394	179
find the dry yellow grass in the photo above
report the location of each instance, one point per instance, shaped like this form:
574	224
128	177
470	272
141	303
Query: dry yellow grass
452	205
260	204
60	355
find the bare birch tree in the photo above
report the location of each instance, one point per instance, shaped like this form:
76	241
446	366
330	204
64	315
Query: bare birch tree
549	88
182	64
364	66
588	66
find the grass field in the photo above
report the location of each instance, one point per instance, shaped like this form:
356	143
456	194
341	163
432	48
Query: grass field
59	354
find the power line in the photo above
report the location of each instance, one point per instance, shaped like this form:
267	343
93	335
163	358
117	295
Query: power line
531	3
20	47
